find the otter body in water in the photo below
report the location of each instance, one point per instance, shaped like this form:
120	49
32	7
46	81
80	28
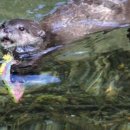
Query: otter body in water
70	22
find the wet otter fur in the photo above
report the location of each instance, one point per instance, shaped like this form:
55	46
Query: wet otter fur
72	21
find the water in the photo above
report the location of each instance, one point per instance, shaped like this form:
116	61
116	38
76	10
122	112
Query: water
25	9
58	125
84	86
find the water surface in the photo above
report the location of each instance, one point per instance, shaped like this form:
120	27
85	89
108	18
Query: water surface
82	86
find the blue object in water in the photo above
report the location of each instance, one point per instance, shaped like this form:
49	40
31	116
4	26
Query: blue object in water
42	79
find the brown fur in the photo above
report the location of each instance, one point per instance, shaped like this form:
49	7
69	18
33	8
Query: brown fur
70	15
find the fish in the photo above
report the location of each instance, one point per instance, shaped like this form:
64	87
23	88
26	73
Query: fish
15	89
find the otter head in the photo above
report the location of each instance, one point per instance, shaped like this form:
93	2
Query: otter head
20	32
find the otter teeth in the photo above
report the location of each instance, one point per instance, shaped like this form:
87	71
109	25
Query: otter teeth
6	39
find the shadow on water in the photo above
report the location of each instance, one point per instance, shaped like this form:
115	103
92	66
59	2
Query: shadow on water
82	86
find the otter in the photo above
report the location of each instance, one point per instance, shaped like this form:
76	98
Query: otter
72	21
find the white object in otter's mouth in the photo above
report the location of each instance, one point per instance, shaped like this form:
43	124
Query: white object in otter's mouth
28	52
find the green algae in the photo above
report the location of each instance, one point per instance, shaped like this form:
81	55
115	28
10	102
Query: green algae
51	99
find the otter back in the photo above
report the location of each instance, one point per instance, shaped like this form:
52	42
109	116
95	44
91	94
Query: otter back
78	18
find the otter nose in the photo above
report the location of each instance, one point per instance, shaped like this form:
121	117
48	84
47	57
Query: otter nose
7	30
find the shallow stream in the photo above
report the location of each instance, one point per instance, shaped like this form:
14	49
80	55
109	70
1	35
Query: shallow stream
84	86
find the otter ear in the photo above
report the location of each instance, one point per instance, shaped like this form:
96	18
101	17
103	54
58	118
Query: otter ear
41	33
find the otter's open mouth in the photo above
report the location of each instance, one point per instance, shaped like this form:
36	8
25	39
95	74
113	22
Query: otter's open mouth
7	40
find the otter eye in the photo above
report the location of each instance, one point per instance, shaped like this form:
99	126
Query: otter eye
21	28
